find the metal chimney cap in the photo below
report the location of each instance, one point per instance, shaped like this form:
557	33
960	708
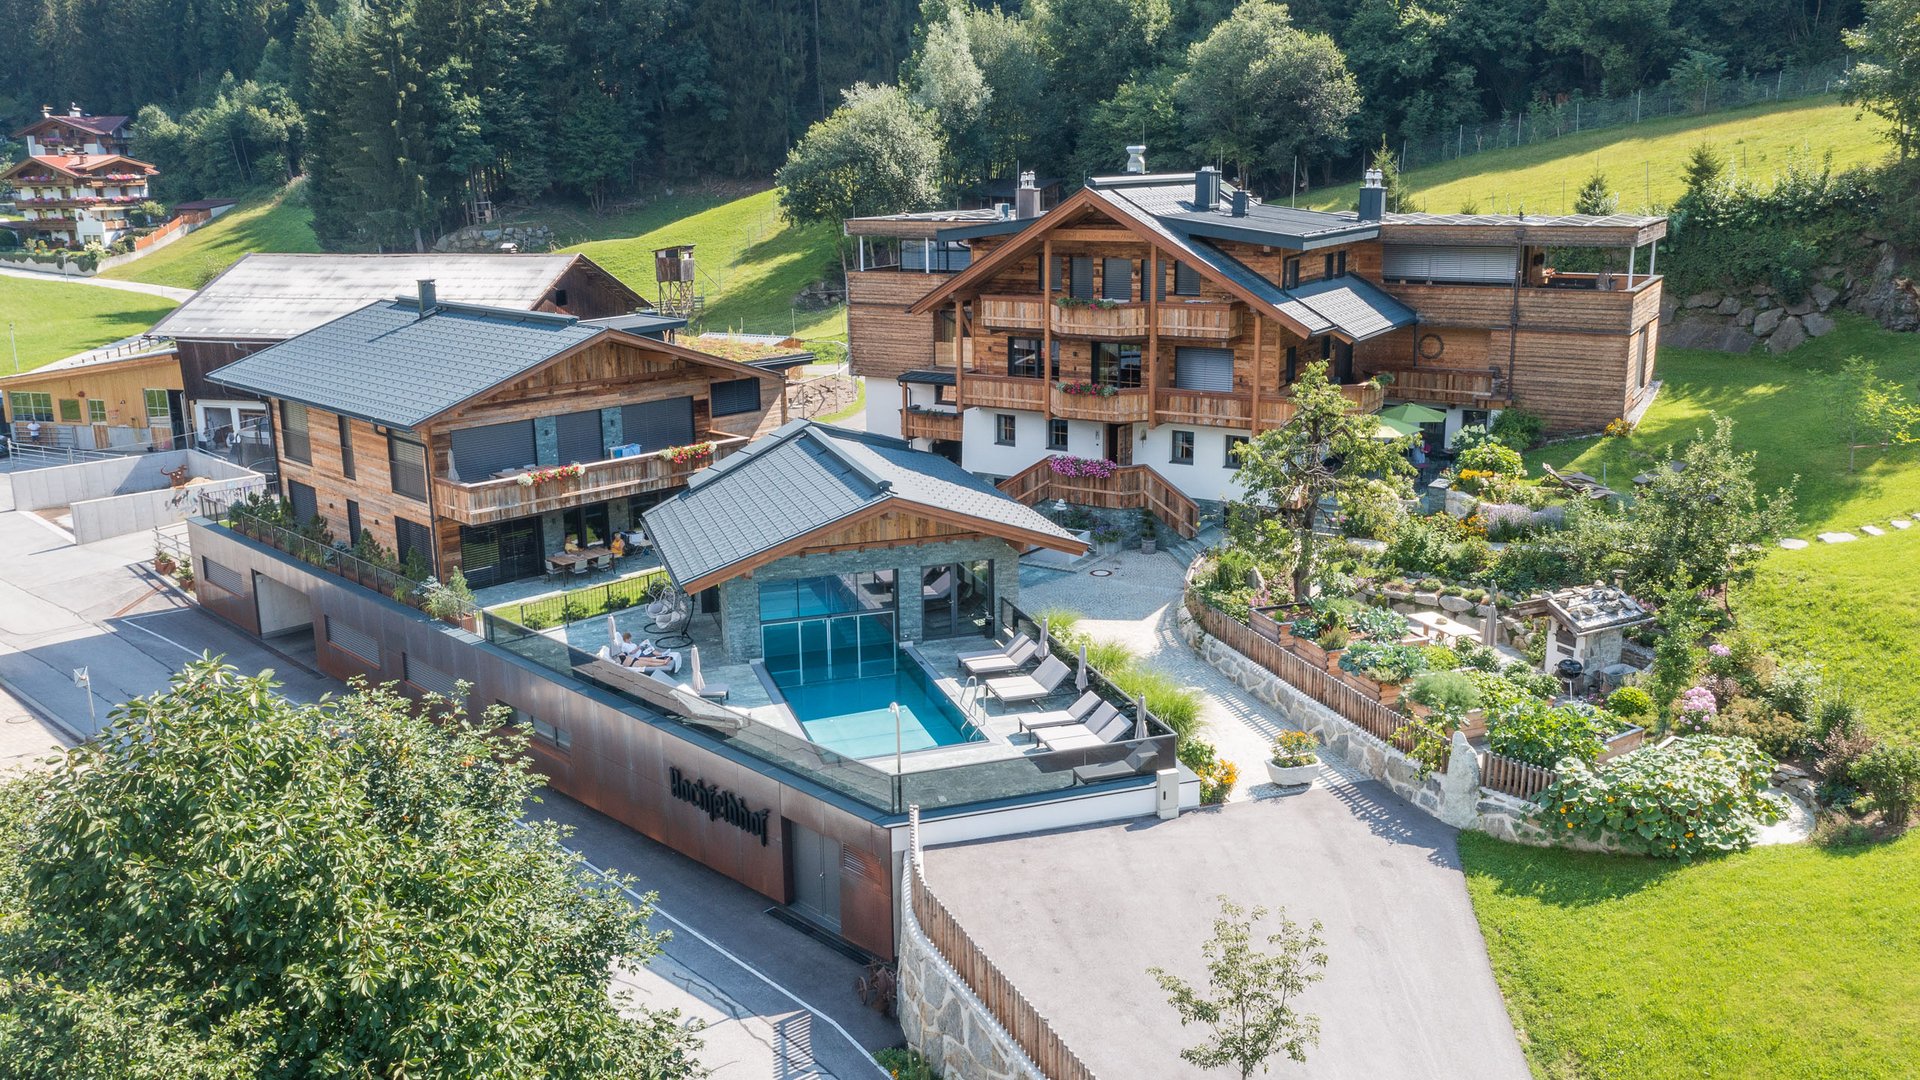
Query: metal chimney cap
1137	158
1374	178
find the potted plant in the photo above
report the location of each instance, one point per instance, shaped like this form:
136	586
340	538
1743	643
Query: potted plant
1149	532
162	562
1108	538
1295	759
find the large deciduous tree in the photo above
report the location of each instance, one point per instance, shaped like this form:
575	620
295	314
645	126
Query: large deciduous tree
225	884
1707	524
1886	81
879	153
1259	90
1328	447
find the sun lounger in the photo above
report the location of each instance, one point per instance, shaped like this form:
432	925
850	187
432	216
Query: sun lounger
1079	737
998	650
1012	660
1044	680
1075	713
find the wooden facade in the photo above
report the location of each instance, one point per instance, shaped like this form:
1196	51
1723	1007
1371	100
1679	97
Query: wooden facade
98	405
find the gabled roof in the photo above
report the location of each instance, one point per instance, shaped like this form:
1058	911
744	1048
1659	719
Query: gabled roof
272	297
133	352
386	364
806	479
98	125
79	165
1169	197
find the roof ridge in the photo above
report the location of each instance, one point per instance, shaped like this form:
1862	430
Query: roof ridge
817	434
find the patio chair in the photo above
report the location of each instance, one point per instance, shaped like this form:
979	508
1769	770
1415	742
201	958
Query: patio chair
580	567
1044	680
554	570
603	562
1080	736
1012	660
997	650
1080	711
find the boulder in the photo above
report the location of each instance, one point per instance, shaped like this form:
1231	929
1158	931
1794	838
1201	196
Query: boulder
1728	306
1790	336
1826	273
1824	296
1703	299
1761	290
1800	306
1692	331
1767	322
1745	317
1455	604
1816	324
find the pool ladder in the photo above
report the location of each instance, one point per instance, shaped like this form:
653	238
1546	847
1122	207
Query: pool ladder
973	709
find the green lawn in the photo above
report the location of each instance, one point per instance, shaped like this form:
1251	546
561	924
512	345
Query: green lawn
55	318
752	260
1846	606
1781	962
1642	161
268	223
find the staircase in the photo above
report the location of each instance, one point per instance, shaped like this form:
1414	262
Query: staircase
1183	550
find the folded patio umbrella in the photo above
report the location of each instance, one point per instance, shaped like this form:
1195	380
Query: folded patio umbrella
1139	716
1408	412
1080	676
613	634
1490	630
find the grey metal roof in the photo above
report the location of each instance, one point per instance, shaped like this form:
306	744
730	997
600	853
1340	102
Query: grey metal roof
1169	197
928	376
805	478
643	323
386	364
1358	307
1247	278
1577	220
272	297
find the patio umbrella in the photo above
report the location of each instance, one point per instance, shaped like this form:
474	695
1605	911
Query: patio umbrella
694	679
1043	637
613	634
1139	716
1393	429
1080	676
1409	413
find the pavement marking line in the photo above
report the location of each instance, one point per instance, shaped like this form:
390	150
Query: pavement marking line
756	972
130	621
152	590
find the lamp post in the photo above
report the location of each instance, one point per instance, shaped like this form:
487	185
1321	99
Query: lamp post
895	707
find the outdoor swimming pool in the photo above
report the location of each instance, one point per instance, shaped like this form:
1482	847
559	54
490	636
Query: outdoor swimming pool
852	716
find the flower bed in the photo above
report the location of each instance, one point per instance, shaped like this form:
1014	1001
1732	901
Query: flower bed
551	475
682	455
1086	389
1691	796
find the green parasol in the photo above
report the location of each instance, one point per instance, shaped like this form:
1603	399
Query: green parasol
1393	429
1409	413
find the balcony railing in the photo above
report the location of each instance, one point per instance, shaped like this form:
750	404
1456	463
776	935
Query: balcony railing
488	501
1443	386
1204	407
1013	312
918	422
1091	320
1002	392
1210	320
1128	406
1366	396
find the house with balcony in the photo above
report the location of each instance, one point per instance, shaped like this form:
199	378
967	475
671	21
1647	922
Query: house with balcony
490	438
1157	320
75	199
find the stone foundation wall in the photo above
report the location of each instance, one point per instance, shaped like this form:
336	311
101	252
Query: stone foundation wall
486	239
945	1022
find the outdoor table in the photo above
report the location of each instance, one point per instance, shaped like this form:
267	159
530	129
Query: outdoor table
1446	630
567	559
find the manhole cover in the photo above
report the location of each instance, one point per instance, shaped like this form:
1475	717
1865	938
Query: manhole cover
1099	573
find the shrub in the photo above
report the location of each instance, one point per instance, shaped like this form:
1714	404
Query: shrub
901	1063
1333	637
1691	796
1448	692
1477	656
1631	702
1836	752
1295	748
1517	428
1497	691
1386	663
1496	458
1778	733
1545	735
1060	622
1109	657
1796	687
1174	705
1439	657
1195	754
1890	773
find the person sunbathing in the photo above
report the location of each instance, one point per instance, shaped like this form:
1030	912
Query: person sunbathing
643	654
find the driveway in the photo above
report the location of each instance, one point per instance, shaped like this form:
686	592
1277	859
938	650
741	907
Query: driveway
168	291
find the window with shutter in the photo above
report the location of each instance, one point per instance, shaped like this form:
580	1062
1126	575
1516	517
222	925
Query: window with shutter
294	443
411	536
407	467
1204	369
736	396
1186	280
346	447
656	425
1081	267
479	452
1116	279
222	576
303	502
429	678
354	640
579	438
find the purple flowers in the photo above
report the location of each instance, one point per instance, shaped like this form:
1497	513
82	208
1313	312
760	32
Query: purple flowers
1719	650
1696	707
1093	468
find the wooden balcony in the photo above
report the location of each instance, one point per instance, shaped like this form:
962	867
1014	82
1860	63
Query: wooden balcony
489	501
925	423
1124	320
1013	312
1122	407
1579	304
1365	396
1200	320
1443	386
1275	412
1002	392
1203	407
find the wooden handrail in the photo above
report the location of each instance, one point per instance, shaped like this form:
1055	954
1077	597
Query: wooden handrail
1129	488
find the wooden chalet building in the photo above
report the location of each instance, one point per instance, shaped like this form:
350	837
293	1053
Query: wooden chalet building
1158	319
76	185
264	299
429	424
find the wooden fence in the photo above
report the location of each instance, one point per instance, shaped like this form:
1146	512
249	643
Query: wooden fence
1009	1007
1383	722
1129	488
1518	778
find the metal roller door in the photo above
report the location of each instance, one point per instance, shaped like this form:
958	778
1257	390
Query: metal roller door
479	452
656	425
1439	262
1203	369
580	437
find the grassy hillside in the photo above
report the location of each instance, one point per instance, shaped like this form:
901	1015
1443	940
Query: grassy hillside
1642	161
55	318
270	223
752	260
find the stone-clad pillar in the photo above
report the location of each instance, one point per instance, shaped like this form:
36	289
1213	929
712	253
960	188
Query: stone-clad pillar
546	441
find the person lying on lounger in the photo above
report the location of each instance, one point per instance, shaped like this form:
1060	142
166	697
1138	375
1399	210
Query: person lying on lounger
643	654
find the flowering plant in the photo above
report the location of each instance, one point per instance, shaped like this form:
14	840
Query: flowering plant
1094	468
1100	302
1695	707
1086	389
680	455
548	476
1619	428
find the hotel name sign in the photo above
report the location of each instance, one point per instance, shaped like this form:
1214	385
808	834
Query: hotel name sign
719	804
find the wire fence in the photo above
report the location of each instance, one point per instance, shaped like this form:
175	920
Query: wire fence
1551	119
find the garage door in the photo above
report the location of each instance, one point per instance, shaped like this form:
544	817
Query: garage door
479	452
656	425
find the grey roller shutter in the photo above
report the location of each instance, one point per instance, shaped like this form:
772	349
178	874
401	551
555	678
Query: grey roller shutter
302	501
1441	262
1203	369
354	640
656	425
1186	280
479	452
1116	279
1081	267
429	678
736	396
223	576
579	437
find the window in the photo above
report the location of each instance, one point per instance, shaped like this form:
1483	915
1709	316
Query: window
353	522
1336	264
1234	443
304	504
1003	429
346	449
943	394
157	406
429	678
69	411
96	411
31	406
1116	279
407	463
943	324
736	396
1205	369
295	445
1643	371
1290	273
1023	357
1079	269
1116	364
1293	362
1182	448
410	537
829	594
1056	434
1186	280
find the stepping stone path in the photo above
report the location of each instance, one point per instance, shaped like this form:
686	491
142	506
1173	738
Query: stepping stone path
1837	537
1792	544
1902	523
1873	530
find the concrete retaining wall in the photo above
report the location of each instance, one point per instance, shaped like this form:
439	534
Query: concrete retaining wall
115	496
117	515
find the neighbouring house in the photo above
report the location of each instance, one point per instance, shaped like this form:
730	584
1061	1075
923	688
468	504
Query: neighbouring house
123	397
76	186
1157	320
267	298
486	437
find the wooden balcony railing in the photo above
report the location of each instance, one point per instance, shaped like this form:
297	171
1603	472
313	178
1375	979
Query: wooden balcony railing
1089	320
1129	488
1121	407
1013	312
923	423
1442	386
1210	320
1275	412
1203	407
1002	392
1366	396
489	501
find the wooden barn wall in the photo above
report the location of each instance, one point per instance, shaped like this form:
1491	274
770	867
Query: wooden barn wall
197	358
883	340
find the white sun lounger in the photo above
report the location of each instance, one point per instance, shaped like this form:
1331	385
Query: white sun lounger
1012	660
1072	714
997	650
1079	737
1044	680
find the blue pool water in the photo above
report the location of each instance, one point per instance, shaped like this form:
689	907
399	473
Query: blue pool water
851	716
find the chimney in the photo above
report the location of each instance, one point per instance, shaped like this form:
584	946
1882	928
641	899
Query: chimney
46	111
73	109
1373	196
1206	188
1241	203
1137	159
1026	199
429	300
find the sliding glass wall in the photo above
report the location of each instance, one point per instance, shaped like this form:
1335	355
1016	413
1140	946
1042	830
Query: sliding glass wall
838	626
956	600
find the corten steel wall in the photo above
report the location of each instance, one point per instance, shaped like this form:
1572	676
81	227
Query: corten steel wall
619	758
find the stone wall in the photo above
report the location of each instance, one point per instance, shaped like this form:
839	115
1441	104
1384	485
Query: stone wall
1737	320
945	1022
486	239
